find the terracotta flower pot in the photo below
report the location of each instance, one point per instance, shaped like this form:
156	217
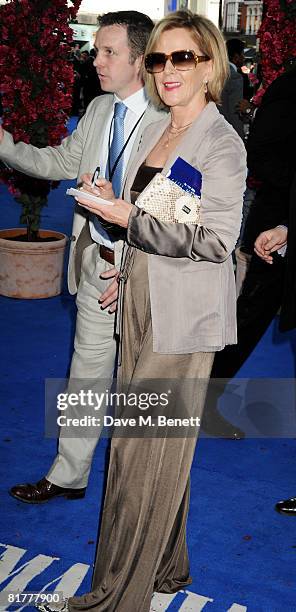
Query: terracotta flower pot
31	269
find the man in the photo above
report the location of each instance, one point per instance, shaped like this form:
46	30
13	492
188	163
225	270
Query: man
267	243
107	136
266	288
232	93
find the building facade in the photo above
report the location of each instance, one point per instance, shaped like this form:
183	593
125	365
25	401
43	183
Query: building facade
242	18
156	9
86	22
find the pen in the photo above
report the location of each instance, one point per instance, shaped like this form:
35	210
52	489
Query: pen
96	175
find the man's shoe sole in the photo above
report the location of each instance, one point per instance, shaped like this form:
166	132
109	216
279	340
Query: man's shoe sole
286	512
72	496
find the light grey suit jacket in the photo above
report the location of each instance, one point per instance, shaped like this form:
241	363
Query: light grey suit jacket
76	155
232	94
191	278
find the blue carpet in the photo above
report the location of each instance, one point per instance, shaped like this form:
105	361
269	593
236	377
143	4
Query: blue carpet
242	553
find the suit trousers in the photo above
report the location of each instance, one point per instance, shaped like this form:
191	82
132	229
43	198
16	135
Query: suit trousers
93	358
142	544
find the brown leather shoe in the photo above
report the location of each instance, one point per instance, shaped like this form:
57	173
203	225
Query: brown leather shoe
43	491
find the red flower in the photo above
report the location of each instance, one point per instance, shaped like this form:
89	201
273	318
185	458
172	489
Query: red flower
277	40
36	80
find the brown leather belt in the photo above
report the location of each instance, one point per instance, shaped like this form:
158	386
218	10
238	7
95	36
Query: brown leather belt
107	254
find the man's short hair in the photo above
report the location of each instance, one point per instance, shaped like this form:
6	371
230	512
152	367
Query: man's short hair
138	27
234	45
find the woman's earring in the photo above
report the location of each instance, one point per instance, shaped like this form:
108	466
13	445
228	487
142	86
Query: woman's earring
206	86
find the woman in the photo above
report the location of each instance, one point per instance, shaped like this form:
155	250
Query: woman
173	322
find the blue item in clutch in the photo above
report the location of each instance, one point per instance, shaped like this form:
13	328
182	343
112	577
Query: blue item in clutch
187	177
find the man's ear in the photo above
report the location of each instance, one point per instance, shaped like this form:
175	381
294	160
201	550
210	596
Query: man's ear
139	63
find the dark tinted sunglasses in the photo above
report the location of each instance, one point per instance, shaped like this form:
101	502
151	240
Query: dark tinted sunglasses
181	60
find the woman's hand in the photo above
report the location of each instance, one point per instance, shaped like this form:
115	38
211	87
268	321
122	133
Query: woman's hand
120	210
270	241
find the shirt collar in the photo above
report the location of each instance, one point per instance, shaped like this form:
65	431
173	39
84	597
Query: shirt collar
137	102
233	66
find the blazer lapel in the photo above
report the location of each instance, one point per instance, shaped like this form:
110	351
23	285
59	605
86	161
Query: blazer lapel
195	134
148	140
151	117
187	146
95	135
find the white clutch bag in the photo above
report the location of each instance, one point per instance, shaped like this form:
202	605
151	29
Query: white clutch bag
166	201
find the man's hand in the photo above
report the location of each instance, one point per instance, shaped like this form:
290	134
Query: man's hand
270	241
102	188
1	133
244	106
109	297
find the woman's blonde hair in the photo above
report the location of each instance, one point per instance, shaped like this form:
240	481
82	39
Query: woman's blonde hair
210	42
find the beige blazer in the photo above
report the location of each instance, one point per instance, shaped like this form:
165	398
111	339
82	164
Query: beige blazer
76	155
191	278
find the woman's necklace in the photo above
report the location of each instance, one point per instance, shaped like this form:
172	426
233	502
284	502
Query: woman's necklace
172	132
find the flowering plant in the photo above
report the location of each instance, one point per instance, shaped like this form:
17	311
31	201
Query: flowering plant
253	78
257	97
36	86
277	38
289	8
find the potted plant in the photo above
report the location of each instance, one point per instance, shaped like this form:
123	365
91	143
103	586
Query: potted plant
36	85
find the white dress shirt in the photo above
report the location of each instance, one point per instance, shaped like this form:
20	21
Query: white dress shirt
136	105
282	251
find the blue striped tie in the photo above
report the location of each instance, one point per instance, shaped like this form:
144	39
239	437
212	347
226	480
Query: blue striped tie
116	147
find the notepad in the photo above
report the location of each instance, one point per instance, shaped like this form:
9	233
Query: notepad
88	196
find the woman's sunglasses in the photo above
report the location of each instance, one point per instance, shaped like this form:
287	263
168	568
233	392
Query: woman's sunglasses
181	60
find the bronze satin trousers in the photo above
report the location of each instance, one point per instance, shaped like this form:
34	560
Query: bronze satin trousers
142	543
